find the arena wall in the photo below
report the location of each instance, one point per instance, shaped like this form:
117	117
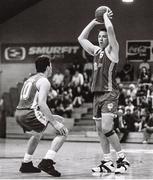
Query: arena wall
62	21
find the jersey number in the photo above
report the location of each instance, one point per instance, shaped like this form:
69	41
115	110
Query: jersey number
25	93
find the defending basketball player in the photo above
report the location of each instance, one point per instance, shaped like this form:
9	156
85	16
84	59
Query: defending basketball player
33	115
106	57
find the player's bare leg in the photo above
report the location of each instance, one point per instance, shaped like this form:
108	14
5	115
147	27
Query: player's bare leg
107	126
27	165
47	163
106	165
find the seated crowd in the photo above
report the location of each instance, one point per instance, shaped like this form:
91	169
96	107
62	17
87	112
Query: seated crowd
69	90
136	106
135	112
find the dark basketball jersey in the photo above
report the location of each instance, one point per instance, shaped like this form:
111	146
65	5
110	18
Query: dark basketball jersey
29	93
104	71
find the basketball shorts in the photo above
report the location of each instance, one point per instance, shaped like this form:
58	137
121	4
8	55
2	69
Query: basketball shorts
31	120
105	102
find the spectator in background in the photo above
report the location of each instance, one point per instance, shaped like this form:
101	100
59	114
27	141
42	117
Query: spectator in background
130	120
148	129
51	100
144	64
78	99
129	106
86	92
131	92
144	75
77	79
139	125
127	73
88	69
67	79
76	84
135	117
122	95
57	79
67	104
64	106
121	126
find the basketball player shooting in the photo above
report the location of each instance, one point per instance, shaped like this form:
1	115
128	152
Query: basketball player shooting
104	87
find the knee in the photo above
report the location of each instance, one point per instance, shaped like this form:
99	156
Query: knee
37	136
108	130
109	133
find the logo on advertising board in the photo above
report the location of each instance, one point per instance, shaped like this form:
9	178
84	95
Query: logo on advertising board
55	52
28	52
138	50
15	53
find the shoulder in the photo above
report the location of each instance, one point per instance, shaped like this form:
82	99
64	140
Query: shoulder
43	82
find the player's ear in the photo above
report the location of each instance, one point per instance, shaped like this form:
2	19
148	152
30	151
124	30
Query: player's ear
47	68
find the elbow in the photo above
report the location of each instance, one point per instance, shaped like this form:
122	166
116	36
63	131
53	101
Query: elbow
79	39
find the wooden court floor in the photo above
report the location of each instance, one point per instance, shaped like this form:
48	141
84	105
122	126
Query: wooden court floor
74	160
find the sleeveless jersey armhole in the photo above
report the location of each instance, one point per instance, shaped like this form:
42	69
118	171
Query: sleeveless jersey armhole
97	50
111	58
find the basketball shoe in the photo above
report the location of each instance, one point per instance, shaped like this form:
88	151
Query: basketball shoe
104	167
29	168
122	165
47	165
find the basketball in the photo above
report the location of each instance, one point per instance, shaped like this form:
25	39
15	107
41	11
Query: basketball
99	13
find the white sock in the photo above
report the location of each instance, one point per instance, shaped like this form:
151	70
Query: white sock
107	157
120	154
50	154
27	158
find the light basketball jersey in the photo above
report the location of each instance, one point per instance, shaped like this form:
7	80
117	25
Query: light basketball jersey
104	71
29	93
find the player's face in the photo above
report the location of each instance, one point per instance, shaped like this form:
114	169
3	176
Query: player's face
103	39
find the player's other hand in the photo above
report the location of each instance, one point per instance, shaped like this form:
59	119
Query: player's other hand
96	22
60	128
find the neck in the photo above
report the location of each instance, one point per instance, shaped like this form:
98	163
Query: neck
43	74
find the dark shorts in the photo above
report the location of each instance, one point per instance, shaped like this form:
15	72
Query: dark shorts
105	102
31	120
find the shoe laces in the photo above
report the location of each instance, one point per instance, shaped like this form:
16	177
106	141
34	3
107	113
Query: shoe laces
102	163
120	162
50	164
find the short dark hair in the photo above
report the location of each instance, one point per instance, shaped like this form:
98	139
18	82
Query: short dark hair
102	29
42	62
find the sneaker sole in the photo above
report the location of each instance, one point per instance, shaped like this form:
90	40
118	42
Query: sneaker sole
40	167
30	172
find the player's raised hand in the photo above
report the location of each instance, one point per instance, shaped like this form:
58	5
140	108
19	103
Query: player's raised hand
109	13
